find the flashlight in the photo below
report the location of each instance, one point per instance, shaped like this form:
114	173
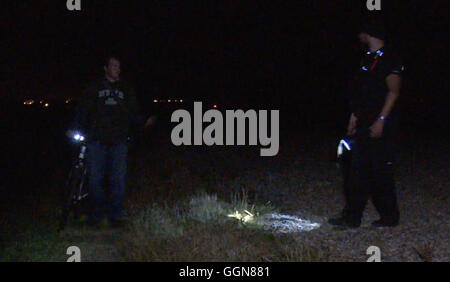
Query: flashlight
78	137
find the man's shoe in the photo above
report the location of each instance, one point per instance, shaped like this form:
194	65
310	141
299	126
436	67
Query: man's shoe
384	223
344	222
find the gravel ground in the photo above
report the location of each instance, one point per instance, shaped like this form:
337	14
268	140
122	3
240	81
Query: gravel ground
423	233
307	184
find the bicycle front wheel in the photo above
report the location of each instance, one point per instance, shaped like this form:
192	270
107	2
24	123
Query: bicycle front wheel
74	193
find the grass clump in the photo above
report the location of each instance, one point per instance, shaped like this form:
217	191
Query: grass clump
201	230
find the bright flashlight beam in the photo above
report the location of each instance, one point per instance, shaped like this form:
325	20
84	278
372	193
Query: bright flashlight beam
239	216
277	222
287	223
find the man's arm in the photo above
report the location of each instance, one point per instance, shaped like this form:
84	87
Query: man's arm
393	82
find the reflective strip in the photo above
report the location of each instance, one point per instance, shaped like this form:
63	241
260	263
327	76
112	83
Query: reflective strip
340	150
380	53
345	144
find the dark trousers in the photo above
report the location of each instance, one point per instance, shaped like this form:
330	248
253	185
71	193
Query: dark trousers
106	160
370	175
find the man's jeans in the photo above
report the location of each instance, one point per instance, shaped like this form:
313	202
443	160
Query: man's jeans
106	162
371	176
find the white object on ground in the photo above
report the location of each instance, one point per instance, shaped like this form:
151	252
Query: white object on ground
286	223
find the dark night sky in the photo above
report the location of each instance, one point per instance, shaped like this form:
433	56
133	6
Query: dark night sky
279	51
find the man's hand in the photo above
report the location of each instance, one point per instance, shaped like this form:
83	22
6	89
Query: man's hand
70	133
150	121
351	128
376	130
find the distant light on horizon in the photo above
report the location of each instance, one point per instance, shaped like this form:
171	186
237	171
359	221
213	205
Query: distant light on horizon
28	102
168	101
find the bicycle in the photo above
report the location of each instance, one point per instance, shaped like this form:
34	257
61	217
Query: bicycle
76	189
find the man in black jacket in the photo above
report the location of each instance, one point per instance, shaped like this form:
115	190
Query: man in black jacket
106	111
371	123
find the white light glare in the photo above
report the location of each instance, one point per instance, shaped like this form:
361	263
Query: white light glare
78	137
245	218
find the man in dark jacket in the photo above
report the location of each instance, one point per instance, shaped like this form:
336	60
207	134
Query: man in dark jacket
106	111
371	124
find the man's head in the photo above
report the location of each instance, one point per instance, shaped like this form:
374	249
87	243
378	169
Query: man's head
372	30
112	68
363	37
